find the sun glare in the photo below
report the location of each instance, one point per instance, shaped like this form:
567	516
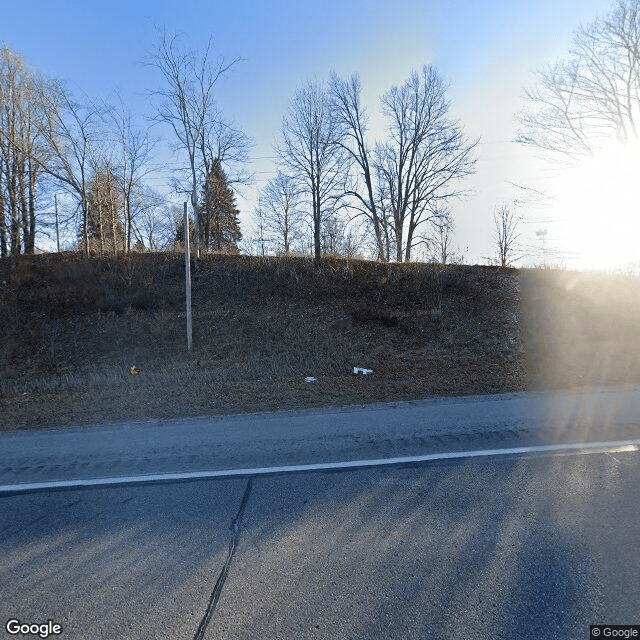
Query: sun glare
599	209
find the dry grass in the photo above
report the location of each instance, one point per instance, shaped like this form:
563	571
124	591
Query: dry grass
71	329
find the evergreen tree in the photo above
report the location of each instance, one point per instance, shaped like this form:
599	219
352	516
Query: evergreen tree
220	227
179	233
104	215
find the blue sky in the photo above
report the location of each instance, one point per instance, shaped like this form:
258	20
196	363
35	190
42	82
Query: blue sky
486	51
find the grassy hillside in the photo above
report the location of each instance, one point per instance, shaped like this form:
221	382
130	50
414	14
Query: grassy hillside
71	329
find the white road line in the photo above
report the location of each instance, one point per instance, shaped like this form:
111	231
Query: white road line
579	448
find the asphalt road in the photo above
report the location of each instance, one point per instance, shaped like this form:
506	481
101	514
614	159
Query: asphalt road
512	547
320	435
508	546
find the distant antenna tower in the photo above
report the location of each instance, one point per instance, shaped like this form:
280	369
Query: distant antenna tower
542	234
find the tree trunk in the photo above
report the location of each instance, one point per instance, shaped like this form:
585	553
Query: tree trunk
55	197
113	229
85	214
387	243
410	232
286	231
127	204
101	226
377	226
207	225
14	208
33	177
196	208
3	223
398	239
113	209
24	210
317	249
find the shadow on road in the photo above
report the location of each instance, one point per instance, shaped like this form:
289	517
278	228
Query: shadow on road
467	549
525	547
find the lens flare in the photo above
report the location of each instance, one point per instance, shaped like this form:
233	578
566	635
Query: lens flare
599	209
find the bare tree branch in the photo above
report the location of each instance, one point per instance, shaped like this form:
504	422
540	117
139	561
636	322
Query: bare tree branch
280	213
187	104
591	96
424	159
506	234
310	152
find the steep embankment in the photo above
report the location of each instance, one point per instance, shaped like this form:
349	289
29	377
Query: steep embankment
72	329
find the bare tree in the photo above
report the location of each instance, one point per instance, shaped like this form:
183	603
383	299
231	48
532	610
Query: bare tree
352	119
592	94
230	146
153	220
187	105
339	238
71	134
310	153
425	158
506	234
280	214
21	153
440	241
133	155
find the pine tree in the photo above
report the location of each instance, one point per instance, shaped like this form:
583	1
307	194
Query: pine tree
104	220
179	232
220	227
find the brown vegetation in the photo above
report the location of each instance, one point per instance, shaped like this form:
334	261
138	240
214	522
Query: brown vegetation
73	328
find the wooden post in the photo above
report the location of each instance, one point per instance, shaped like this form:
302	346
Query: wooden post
187	271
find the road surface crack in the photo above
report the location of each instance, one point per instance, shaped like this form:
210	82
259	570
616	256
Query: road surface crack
217	590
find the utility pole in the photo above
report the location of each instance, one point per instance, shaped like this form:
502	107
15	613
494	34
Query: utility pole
187	271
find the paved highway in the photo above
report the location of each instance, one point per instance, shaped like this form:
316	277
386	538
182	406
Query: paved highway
526	545
320	435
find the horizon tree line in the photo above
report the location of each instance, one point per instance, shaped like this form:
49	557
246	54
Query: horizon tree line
96	159
336	188
396	186
92	159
